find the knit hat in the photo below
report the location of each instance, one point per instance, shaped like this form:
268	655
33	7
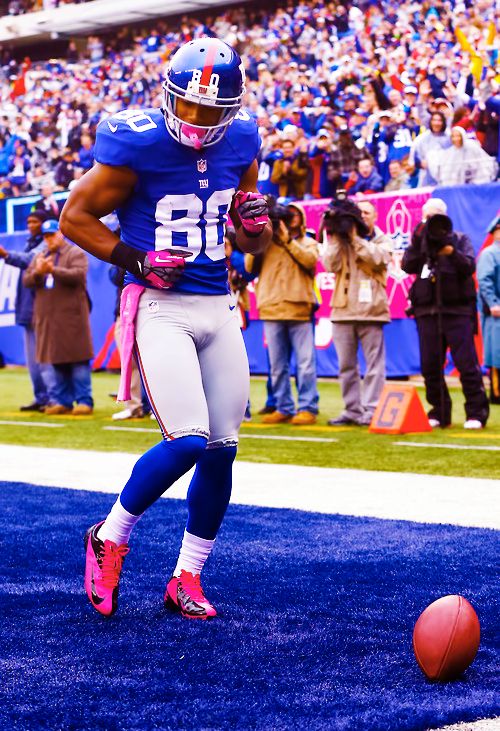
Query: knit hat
40	215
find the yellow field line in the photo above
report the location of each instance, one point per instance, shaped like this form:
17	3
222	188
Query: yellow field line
313	428
481	435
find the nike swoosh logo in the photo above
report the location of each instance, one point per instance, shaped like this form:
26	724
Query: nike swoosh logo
96	599
158	260
113	127
231	307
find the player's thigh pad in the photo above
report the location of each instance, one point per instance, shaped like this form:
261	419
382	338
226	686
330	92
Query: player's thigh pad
193	363
224	368
168	362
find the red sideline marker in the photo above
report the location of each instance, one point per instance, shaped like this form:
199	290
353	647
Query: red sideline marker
399	411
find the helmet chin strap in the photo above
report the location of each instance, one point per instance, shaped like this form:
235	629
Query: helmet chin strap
194	134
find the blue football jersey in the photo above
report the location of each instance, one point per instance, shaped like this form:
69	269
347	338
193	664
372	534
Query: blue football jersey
182	197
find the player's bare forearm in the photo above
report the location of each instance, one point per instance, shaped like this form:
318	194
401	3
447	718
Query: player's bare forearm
254	244
255	235
98	193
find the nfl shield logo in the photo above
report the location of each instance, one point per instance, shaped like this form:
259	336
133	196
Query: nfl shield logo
202	166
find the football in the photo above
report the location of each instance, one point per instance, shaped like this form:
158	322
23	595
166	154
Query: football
446	638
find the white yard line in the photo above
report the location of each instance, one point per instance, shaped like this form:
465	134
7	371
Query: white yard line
486	448
43	424
422	498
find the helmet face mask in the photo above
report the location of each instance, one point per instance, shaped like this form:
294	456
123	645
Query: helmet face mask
209	73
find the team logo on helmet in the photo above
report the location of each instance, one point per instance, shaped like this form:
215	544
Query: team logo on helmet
209	90
208	72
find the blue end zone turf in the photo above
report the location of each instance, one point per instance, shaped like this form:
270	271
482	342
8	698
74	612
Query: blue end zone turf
318	613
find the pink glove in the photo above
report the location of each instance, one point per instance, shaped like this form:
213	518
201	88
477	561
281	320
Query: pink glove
163	268
253	211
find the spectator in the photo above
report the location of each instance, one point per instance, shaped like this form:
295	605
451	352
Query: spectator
433	140
6	150
72	52
359	253
322	185
464	117
438	77
78	174
391	140
488	277
19	167
344	158
290	171
286	301
366	180
41	178
58	276
464	162
488	125
95	48
399	178
63	98
47	203
443	302
86	152
65	169
270	152
40	375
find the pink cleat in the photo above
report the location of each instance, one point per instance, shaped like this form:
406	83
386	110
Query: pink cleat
104	561
185	595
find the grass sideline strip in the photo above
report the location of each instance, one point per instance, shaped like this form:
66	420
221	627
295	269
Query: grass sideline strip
242	436
356	447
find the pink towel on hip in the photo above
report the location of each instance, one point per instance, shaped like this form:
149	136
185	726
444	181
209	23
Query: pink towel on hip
129	303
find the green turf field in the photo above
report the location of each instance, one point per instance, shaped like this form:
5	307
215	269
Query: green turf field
354	447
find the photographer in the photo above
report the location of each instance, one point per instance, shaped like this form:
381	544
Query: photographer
443	301
359	253
286	302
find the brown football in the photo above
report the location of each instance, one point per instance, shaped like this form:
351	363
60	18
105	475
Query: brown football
446	638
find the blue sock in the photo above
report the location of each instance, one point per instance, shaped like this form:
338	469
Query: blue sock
159	468
209	492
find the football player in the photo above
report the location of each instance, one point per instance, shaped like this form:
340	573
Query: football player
174	175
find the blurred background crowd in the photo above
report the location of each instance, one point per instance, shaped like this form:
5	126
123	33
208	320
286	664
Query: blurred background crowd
371	96
18	7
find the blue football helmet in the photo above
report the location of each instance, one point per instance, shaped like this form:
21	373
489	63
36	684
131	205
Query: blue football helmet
209	72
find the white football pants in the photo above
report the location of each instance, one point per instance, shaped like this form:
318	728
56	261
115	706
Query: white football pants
193	363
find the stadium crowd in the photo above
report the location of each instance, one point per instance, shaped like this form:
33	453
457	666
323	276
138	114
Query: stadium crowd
19	7
370	96
362	98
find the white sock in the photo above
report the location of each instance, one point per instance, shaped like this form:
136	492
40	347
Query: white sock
118	525
193	554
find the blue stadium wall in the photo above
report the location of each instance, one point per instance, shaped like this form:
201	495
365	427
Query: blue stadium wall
470	207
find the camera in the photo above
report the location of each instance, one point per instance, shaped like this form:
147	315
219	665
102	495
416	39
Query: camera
340	218
278	212
438	230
